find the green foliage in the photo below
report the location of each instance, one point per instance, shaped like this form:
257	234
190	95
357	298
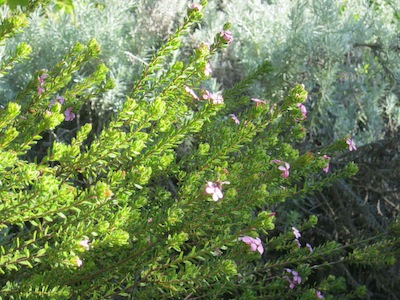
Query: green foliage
127	211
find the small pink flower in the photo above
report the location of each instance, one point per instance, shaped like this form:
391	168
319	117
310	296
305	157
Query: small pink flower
298	243
216	99
285	170
207	70
77	261
352	145
191	92
214	190
227	36
258	101
326	168
84	243
69	115
309	247
52	102
303	110
255	244
207	95
149	220
296	232
195	6
41	79
319	295
60	99
296	278
235	119
277	161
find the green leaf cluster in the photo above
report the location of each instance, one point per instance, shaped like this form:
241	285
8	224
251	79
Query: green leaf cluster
124	210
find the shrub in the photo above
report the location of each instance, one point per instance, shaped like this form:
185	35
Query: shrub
174	198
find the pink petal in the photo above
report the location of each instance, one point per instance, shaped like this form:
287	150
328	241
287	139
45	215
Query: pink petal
209	190
246	239
218	192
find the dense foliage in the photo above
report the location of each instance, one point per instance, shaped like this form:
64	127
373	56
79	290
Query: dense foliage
161	185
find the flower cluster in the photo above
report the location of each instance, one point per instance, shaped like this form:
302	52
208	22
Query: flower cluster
85	244
214	98
41	79
214	190
303	110
59	99
284	167
297	235
296	279
207	70
77	261
319	294
194	6
68	114
352	145
227	36
254	243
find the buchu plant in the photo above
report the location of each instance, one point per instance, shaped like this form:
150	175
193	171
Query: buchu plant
176	196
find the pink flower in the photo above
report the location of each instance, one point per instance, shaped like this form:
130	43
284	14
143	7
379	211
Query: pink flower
285	170
296	232
319	294
52	102
296	278
277	161
298	243
59	99
258	101
326	168
309	247
235	119
84	243
255	244
352	145
191	92
303	110
214	190
69	115
77	261
216	99
149	220
41	79
207	95
207	70
195	6
227	36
